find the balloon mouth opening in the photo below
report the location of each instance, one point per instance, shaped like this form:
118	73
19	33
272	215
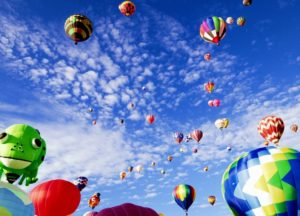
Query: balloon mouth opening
15	163
216	40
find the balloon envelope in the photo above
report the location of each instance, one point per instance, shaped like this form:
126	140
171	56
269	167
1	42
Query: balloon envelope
271	128
14	201
55	197
184	195
264	181
126	210
213	29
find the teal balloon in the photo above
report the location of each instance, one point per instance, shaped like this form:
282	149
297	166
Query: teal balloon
14	201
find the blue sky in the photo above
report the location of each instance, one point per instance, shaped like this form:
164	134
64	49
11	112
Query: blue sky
49	83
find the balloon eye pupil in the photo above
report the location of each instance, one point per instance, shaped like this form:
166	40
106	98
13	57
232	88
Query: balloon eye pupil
36	143
2	135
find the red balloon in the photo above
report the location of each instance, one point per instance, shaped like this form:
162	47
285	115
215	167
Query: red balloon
55	197
150	119
197	135
127	209
211	103
216	102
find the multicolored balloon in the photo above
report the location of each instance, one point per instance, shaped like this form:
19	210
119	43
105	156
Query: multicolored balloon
241	21
55	197
122	175
94	200
229	20
213	29
184	195
211	200
79	28
207	56
127	209
150	119
178	136
127	8
197	135
271	128
247	2
294	128
170	158
14	201
264	181
209	87
81	182
222	123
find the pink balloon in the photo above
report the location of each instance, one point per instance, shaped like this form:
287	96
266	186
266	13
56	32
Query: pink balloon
211	103
127	209
216	102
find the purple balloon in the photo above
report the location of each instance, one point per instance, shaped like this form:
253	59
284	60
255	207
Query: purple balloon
127	209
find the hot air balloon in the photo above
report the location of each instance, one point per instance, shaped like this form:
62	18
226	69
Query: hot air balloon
247	2
163	171
207	56
294	128
178	136
266	143
150	119
121	121
90	110
229	20
14	201
90	213
211	200
271	128
78	27
216	102
131	105
127	8
170	158
241	21
195	150
139	168
127	209
130	168
209	87
210	103
122	175
55	197
153	164
205	169
94	200
81	182
94	122
222	123
184	195
182	150
264	181
228	148
213	29
197	135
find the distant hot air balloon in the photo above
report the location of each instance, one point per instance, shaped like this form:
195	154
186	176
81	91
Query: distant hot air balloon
184	195
264	181
121	121
229	20
150	119
216	102
55	197
90	213
294	128
207	56
153	164
222	123
210	103
122	175
131	105
211	200
271	128
247	2
213	29
266	143
241	21
205	169
90	110
94	200
139	168
209	87
94	122
228	148
127	8
181	150
163	171
130	168
14	201
178	136
197	135
170	158
78	27
81	182
195	150
127	209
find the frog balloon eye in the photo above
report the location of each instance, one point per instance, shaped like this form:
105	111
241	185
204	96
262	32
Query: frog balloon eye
36	143
3	136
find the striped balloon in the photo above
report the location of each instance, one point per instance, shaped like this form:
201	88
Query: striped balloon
241	21
78	27
213	29
271	128
184	195
197	135
265	181
209	87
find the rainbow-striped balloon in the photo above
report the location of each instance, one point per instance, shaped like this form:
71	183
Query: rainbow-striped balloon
213	29
184	195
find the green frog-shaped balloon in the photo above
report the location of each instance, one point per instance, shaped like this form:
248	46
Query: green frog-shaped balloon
22	150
